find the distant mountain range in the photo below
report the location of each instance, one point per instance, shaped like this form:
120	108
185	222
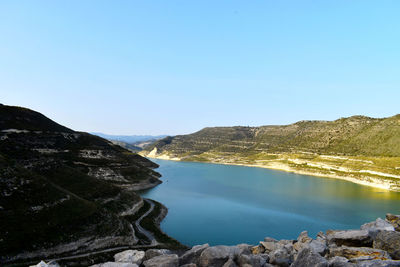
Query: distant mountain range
358	148
130	139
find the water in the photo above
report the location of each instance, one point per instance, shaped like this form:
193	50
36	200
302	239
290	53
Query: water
221	204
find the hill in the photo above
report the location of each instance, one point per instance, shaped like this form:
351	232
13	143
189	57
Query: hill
358	148
64	192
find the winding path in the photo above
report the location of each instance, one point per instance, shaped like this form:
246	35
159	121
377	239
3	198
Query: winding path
143	231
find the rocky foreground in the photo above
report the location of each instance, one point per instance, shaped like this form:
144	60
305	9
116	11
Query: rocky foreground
376	244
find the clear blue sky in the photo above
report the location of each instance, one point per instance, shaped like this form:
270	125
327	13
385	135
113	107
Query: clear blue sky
174	67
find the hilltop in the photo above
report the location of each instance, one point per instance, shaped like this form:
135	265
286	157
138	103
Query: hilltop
64	192
361	149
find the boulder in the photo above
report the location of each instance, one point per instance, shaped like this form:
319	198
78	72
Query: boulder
270	239
258	249
244	249
394	220
130	256
389	241
378	263
217	256
338	261
192	255
319	246
281	257
359	253
308	257
230	263
268	246
151	253
378	224
304	238
252	260
166	260
44	264
115	264
352	238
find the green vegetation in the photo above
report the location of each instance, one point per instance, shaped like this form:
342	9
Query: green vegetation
357	147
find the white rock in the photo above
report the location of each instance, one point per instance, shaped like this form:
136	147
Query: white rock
130	256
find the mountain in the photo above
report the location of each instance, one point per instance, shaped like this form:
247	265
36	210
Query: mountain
63	191
130	139
358	148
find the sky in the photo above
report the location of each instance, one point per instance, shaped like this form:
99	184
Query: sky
174	67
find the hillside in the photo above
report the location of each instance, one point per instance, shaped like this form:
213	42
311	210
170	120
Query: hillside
69	191
358	148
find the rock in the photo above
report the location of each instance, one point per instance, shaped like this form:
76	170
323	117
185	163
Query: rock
166	260
378	263
378	224
281	257
308	257
229	263
359	253
394	220
130	256
338	261
44	264
270	239
115	264
151	253
389	241
258	249
353	238
192	255
244	249
319	246
189	265
304	238
268	246
251	260
217	256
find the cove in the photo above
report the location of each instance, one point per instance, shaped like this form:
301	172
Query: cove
224	204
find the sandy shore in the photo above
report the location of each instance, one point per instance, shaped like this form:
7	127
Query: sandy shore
366	181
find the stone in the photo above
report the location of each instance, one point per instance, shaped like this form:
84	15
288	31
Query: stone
151	253
281	257
308	257
353	238
229	263
394	220
270	239
378	263
359	253
378	224
244	249
44	264
389	241
166	260
189	265
258	249
115	264
304	238
338	261
217	256
252	260
192	255
268	246
319	246
130	256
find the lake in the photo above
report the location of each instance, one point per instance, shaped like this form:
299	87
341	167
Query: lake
223	204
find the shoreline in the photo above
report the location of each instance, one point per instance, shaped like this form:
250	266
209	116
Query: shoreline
286	168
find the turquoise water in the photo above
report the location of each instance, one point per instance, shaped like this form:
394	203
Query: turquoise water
221	204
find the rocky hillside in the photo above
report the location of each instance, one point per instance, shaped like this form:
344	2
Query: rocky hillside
358	147
64	192
375	244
